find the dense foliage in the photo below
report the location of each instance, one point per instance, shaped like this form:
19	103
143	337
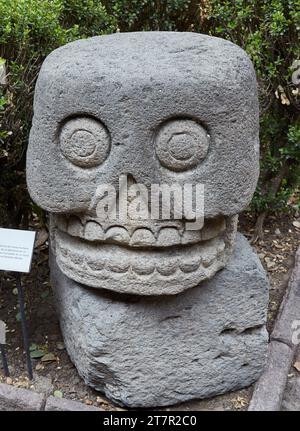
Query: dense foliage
267	29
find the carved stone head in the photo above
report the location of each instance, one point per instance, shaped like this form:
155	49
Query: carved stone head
154	108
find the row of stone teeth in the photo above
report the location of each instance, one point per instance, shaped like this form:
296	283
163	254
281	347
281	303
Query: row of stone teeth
141	236
163	266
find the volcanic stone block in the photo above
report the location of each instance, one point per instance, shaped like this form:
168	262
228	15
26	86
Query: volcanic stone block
158	108
119	104
156	351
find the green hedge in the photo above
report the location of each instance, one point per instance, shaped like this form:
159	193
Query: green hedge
267	29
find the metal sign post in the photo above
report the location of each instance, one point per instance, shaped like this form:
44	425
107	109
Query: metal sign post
2	348
24	325
4	360
16	251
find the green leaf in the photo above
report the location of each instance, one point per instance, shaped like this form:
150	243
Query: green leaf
32	347
58	394
49	357
36	354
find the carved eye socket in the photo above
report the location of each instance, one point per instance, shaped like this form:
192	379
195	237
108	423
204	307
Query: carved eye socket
181	144
84	141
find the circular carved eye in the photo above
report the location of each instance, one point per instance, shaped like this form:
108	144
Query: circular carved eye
84	141
181	144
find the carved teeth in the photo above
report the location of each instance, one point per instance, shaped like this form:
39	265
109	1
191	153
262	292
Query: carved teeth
189	266
142	268
151	235
210	255
166	267
118	266
114	262
111	265
142	238
93	231
118	234
75	227
191	262
168	236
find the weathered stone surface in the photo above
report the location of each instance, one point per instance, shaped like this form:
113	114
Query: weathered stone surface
291	396
291	399
162	108
268	391
151	351
17	399
131	84
271	387
65	405
288	319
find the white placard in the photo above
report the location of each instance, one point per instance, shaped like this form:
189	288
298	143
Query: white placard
16	249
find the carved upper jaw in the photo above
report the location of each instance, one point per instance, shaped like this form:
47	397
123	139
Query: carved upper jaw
155	258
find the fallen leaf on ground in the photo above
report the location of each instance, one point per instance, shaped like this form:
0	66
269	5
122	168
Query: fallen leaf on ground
36	354
42	237
240	402
101	400
269	262
39	367
49	357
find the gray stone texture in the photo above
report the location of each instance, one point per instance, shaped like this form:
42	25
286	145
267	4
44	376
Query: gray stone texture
156	108
132	84
159	108
272	386
289	312
291	396
64	405
156	351
268	391
17	399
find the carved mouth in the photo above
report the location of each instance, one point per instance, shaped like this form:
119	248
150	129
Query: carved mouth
147	258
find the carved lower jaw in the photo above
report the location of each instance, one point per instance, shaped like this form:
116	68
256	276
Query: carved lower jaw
139	270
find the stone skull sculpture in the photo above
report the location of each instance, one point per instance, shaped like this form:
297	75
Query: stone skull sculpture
157	108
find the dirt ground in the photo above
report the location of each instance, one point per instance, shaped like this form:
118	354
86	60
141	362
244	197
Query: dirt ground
53	371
